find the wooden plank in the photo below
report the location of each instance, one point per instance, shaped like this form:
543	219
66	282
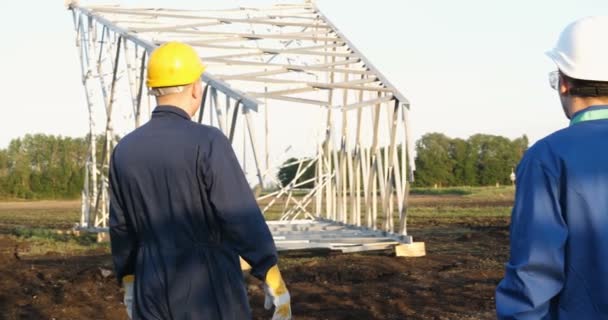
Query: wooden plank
358	156
363	80
323	67
335	70
299	17
281	92
236	55
260	52
349	87
273	22
321	54
345	62
300	35
253	74
271	80
172	27
319	181
179	13
252	36
223	47
415	249
367	103
343	151
299	100
305	48
369	247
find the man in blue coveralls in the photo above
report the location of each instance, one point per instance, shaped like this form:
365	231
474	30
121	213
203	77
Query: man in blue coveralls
182	212
558	267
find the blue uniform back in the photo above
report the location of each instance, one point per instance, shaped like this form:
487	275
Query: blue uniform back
181	214
559	229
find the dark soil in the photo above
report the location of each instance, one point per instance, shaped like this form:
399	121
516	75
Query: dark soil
456	279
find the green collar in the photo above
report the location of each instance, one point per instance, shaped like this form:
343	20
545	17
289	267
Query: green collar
591	113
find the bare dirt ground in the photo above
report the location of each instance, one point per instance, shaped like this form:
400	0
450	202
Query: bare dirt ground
456	280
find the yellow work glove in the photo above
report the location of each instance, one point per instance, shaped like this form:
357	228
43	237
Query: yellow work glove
277	295
127	283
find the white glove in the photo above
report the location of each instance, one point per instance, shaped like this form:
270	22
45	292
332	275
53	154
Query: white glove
128	298
282	303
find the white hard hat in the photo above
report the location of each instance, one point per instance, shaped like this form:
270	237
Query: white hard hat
582	49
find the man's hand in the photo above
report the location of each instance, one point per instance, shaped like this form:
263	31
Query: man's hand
127	283
277	295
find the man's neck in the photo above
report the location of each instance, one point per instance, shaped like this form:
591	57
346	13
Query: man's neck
174	102
579	104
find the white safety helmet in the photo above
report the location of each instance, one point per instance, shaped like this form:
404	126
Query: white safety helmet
582	49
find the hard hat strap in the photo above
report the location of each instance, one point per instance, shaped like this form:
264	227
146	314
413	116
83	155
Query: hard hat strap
165	90
589	91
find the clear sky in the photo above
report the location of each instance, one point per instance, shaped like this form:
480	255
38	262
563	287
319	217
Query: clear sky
467	66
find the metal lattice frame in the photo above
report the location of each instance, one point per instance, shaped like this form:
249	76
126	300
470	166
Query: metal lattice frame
290	53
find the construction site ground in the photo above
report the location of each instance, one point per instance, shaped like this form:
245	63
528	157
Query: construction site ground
48	275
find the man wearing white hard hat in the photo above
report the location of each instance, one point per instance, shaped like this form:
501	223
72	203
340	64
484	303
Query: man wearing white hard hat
558	266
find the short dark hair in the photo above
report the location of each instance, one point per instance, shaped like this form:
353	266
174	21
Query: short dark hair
586	88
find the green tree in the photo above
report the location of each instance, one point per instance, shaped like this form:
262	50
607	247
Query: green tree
433	162
463	168
289	171
480	160
42	166
495	157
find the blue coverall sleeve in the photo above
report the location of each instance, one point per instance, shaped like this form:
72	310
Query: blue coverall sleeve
241	220
122	235
535	272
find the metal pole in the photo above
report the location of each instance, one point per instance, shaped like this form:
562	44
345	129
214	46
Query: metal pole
254	148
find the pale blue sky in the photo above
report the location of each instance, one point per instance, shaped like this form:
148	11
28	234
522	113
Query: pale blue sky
467	66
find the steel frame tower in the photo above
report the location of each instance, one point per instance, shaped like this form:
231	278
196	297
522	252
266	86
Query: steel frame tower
290	53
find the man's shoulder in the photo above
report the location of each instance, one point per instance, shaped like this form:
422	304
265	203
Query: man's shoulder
204	134
205	129
551	150
555	140
569	139
547	151
193	130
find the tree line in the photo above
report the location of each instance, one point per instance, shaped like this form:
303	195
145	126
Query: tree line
481	160
52	167
43	167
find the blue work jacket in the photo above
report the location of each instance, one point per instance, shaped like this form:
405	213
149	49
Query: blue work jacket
181	213
558	267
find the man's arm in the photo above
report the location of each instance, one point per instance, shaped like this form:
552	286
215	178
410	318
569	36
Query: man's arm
535	272
122	236
239	214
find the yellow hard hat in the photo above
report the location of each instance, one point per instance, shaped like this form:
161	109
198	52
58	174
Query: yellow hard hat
173	64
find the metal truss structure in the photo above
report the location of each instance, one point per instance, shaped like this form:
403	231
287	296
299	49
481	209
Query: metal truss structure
290	55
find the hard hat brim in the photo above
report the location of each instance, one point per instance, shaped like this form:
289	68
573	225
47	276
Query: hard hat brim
598	73
168	82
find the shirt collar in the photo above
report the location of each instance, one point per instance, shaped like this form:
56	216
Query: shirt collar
599	112
171	109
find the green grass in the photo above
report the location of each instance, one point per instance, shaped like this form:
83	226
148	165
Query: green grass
41	241
481	192
39	218
36	226
455	212
458	191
